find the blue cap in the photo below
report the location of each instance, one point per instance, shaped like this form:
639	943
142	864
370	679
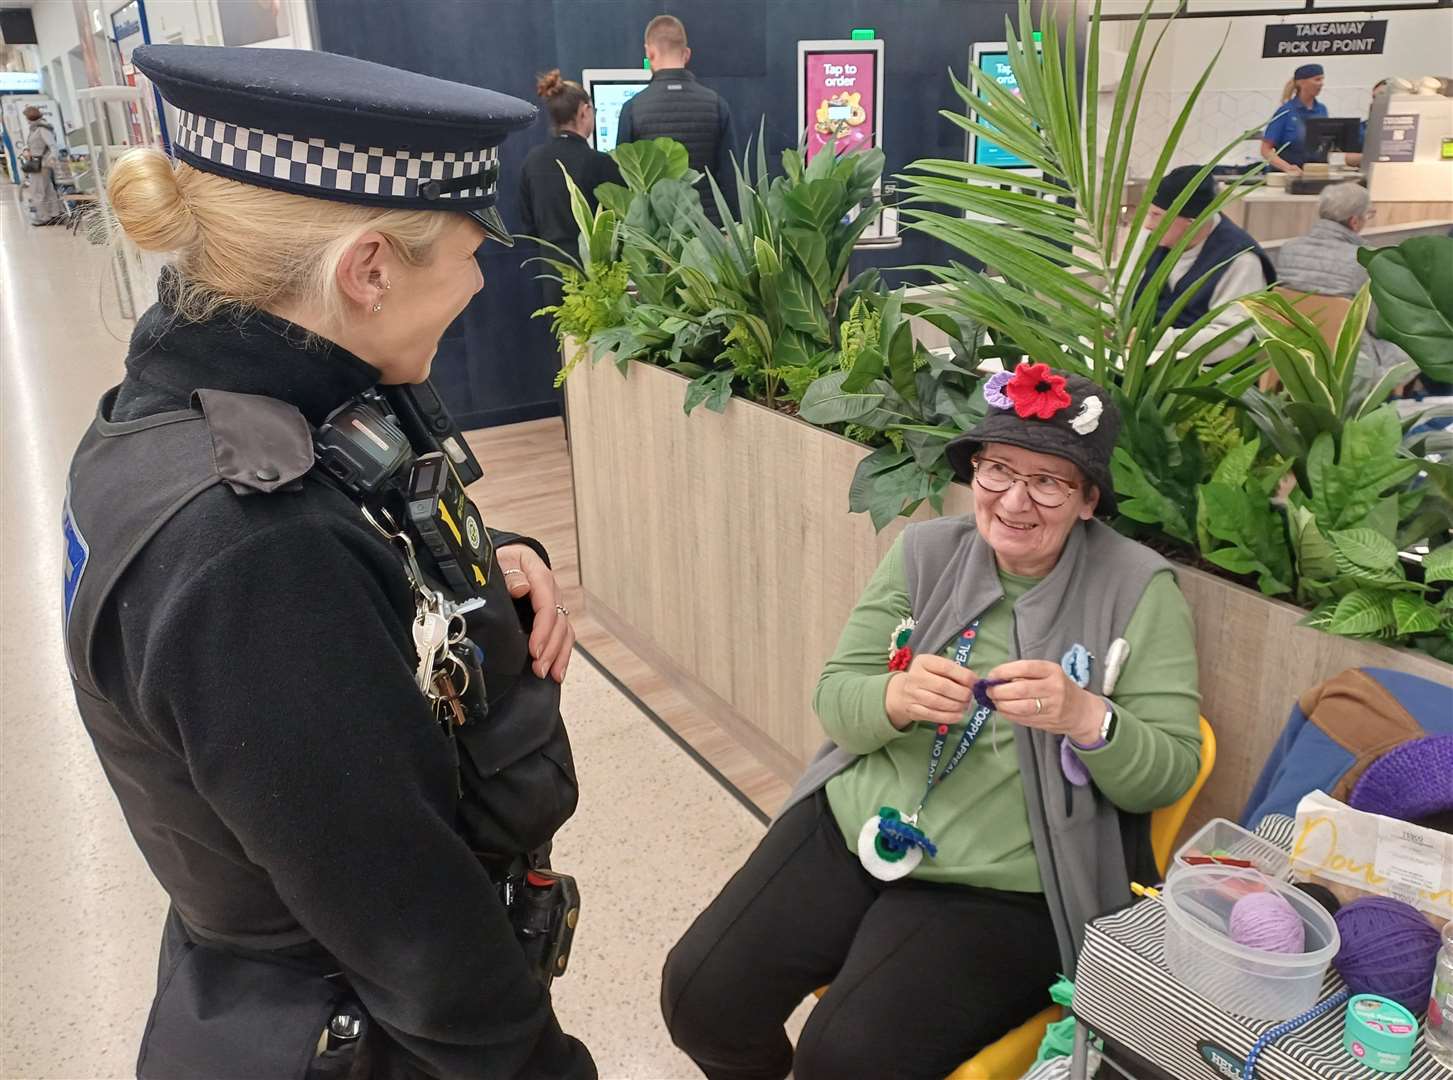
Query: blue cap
1308	71
336	127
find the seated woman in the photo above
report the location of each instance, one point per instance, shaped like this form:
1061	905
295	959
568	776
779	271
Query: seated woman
940	890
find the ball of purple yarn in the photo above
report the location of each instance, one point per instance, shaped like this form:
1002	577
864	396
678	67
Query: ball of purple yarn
1388	949
1267	921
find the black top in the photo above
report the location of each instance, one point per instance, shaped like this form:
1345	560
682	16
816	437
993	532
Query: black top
275	759
544	198
675	106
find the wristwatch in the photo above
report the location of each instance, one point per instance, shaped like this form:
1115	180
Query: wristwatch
1107	730
1107	726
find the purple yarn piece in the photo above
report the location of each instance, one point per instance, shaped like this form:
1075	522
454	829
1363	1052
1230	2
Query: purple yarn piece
1408	782
1071	765
1388	949
981	691
994	394
1266	921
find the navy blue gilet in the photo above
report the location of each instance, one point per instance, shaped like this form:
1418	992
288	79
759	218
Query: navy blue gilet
1227	240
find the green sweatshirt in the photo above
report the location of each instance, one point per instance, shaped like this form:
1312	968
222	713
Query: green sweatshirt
978	816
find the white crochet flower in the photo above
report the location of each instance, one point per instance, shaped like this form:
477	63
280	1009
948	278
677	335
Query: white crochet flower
1088	418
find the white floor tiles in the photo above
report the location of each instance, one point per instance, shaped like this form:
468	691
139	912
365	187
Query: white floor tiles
80	914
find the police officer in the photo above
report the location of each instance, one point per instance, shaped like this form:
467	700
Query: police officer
333	809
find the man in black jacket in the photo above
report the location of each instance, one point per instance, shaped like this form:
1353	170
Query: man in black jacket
676	106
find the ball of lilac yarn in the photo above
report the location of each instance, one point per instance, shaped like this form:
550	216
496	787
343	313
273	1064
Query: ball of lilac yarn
1266	921
1388	949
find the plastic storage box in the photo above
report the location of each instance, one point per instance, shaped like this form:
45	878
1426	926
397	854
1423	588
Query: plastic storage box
1219	834
1250	982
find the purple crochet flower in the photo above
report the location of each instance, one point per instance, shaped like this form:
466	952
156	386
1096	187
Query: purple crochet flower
981	691
994	390
1071	765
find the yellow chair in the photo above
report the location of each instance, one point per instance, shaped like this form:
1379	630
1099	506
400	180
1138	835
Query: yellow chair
1011	1056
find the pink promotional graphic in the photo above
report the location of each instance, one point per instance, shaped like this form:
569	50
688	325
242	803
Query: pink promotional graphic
840	100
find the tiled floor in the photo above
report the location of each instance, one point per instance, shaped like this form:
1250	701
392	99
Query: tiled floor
80	913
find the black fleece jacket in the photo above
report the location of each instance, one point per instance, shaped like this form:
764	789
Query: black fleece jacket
280	769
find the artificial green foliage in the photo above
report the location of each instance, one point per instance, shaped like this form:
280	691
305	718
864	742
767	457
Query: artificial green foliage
1412	285
887	390
759	296
1215	427
1061	285
590	304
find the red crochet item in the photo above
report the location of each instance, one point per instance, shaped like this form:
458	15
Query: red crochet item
900	659
1037	391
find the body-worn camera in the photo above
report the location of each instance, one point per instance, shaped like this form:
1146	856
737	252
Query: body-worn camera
446	520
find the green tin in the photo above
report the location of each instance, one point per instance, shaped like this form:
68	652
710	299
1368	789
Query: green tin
1379	1033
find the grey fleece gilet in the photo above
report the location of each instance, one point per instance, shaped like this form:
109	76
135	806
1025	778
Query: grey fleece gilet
1087	599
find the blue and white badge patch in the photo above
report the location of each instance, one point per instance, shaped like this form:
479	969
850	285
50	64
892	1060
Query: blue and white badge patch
77	554
1076	664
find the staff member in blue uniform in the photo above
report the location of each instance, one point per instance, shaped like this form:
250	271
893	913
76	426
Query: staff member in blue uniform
245	643
1284	142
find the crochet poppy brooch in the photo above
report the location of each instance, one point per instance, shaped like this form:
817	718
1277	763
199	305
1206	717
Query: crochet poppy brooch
899	654
1035	392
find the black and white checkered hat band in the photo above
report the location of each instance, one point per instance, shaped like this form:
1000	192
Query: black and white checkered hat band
336	167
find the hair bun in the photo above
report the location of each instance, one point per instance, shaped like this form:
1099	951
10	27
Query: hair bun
550	84
148	204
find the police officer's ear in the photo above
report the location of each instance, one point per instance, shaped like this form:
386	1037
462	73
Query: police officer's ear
366	269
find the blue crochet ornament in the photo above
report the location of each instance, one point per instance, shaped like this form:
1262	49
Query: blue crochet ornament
891	848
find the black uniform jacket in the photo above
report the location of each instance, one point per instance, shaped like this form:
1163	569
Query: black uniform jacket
275	760
544	198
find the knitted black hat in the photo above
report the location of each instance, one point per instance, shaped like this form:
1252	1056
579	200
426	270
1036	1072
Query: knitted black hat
1049	412
1176	181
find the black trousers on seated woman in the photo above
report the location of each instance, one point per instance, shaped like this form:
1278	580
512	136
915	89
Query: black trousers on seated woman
923	975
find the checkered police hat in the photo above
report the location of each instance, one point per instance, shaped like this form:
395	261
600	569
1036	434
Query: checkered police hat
335	127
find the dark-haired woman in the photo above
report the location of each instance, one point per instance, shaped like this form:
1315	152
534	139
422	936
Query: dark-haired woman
544	198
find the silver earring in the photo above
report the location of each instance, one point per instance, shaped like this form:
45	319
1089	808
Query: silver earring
377	307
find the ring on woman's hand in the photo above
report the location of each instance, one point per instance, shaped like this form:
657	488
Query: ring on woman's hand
1038	706
562	609
513	570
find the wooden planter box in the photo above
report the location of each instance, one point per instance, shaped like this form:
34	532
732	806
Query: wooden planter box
720	547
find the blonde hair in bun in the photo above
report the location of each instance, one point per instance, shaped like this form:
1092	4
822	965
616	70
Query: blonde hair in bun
244	246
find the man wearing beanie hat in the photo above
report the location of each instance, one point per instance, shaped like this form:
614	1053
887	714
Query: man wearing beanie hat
1236	263
1284	142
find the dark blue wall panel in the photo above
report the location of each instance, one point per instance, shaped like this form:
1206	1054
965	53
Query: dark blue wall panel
496	365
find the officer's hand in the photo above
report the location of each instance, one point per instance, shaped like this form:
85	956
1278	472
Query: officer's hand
552	638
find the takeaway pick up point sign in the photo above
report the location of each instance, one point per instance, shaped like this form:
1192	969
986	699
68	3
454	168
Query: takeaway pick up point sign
1354	37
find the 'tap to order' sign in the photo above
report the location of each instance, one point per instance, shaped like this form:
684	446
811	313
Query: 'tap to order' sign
1354	37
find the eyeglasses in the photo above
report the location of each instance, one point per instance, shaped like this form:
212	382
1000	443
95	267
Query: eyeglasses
1046	490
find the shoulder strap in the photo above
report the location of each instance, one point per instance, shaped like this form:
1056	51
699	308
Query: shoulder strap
130	478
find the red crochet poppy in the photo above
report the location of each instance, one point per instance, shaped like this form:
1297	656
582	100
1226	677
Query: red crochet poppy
1036	391
900	659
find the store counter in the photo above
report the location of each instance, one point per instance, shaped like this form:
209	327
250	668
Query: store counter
1271	214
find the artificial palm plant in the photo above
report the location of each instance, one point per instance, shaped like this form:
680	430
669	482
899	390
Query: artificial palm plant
1063	284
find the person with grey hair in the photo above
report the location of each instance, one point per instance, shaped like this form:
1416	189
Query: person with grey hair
1324	262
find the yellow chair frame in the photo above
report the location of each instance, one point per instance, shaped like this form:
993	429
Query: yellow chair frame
1010	1056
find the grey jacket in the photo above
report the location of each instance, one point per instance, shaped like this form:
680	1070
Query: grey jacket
1325	262
1088	599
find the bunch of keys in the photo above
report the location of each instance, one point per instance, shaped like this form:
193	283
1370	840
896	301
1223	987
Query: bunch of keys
450	670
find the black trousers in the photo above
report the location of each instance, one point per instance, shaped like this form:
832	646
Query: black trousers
923	975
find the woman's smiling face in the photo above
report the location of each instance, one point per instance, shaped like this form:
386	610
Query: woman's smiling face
1027	538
